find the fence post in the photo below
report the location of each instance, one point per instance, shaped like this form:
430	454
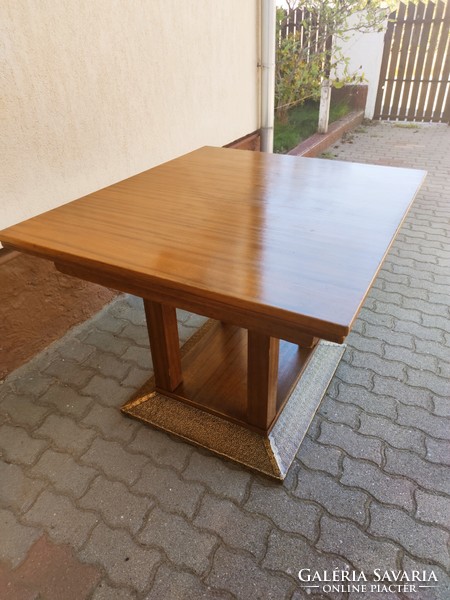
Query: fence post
324	108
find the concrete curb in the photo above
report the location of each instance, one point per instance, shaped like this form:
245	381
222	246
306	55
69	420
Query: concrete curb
318	142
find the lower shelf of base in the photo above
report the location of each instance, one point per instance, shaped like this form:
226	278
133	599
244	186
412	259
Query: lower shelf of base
270	455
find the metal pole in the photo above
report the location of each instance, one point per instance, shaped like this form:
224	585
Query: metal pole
268	23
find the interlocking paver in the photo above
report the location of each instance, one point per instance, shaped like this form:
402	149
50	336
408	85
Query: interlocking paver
420	332
409	357
17	491
408	291
423	541
429	475
21	410
31	383
66	400
18	446
74	350
61	519
68	372
438	451
110	422
124	312
185	545
105	592
385	488
388	368
400	436
353	375
126	562
337	499
378	319
244	578
238	529
222	478
402	391
444	369
442	586
140	356
287	512
16	539
438	322
180	585
65	474
65	434
318	457
433	508
108	366
135	379
195	321
114	461
441	406
370	402
117	506
422	420
365	343
348	541
161	448
355	444
339	412
287	553
105	341
171	492
107	391
139	335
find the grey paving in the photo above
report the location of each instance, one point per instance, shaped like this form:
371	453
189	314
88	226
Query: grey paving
370	487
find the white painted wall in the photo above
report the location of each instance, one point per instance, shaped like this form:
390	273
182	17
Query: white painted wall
365	50
96	91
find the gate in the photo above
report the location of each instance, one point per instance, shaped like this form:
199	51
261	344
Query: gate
415	69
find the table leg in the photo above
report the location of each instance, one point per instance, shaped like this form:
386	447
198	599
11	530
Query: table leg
164	344
262	379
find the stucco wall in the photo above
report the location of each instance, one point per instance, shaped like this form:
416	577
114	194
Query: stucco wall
96	91
365	50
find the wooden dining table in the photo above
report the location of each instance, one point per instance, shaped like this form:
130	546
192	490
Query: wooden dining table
278	251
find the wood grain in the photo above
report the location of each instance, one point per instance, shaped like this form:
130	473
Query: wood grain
164	344
291	241
215	376
262	378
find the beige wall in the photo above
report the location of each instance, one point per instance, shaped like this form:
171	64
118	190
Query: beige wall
94	91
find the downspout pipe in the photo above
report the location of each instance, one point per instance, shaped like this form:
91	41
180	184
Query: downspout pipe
268	29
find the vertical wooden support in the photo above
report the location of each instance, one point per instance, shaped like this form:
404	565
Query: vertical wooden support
262	379
164	344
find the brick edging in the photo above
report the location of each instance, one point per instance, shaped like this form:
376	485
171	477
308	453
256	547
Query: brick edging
317	143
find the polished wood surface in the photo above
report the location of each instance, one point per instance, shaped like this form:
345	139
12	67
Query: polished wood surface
262	379
284	240
164	344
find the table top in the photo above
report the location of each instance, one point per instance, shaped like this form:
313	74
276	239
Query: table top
300	239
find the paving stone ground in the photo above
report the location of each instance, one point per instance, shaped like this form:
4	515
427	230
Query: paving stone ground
94	506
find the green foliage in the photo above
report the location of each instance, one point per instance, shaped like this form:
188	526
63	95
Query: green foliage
301	122
302	62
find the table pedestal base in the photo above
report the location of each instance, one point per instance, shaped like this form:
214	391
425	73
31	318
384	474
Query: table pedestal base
271	454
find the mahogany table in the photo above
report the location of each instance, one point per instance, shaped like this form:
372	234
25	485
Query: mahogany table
278	251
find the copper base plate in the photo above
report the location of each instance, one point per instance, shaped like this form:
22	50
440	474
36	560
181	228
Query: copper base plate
269	455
